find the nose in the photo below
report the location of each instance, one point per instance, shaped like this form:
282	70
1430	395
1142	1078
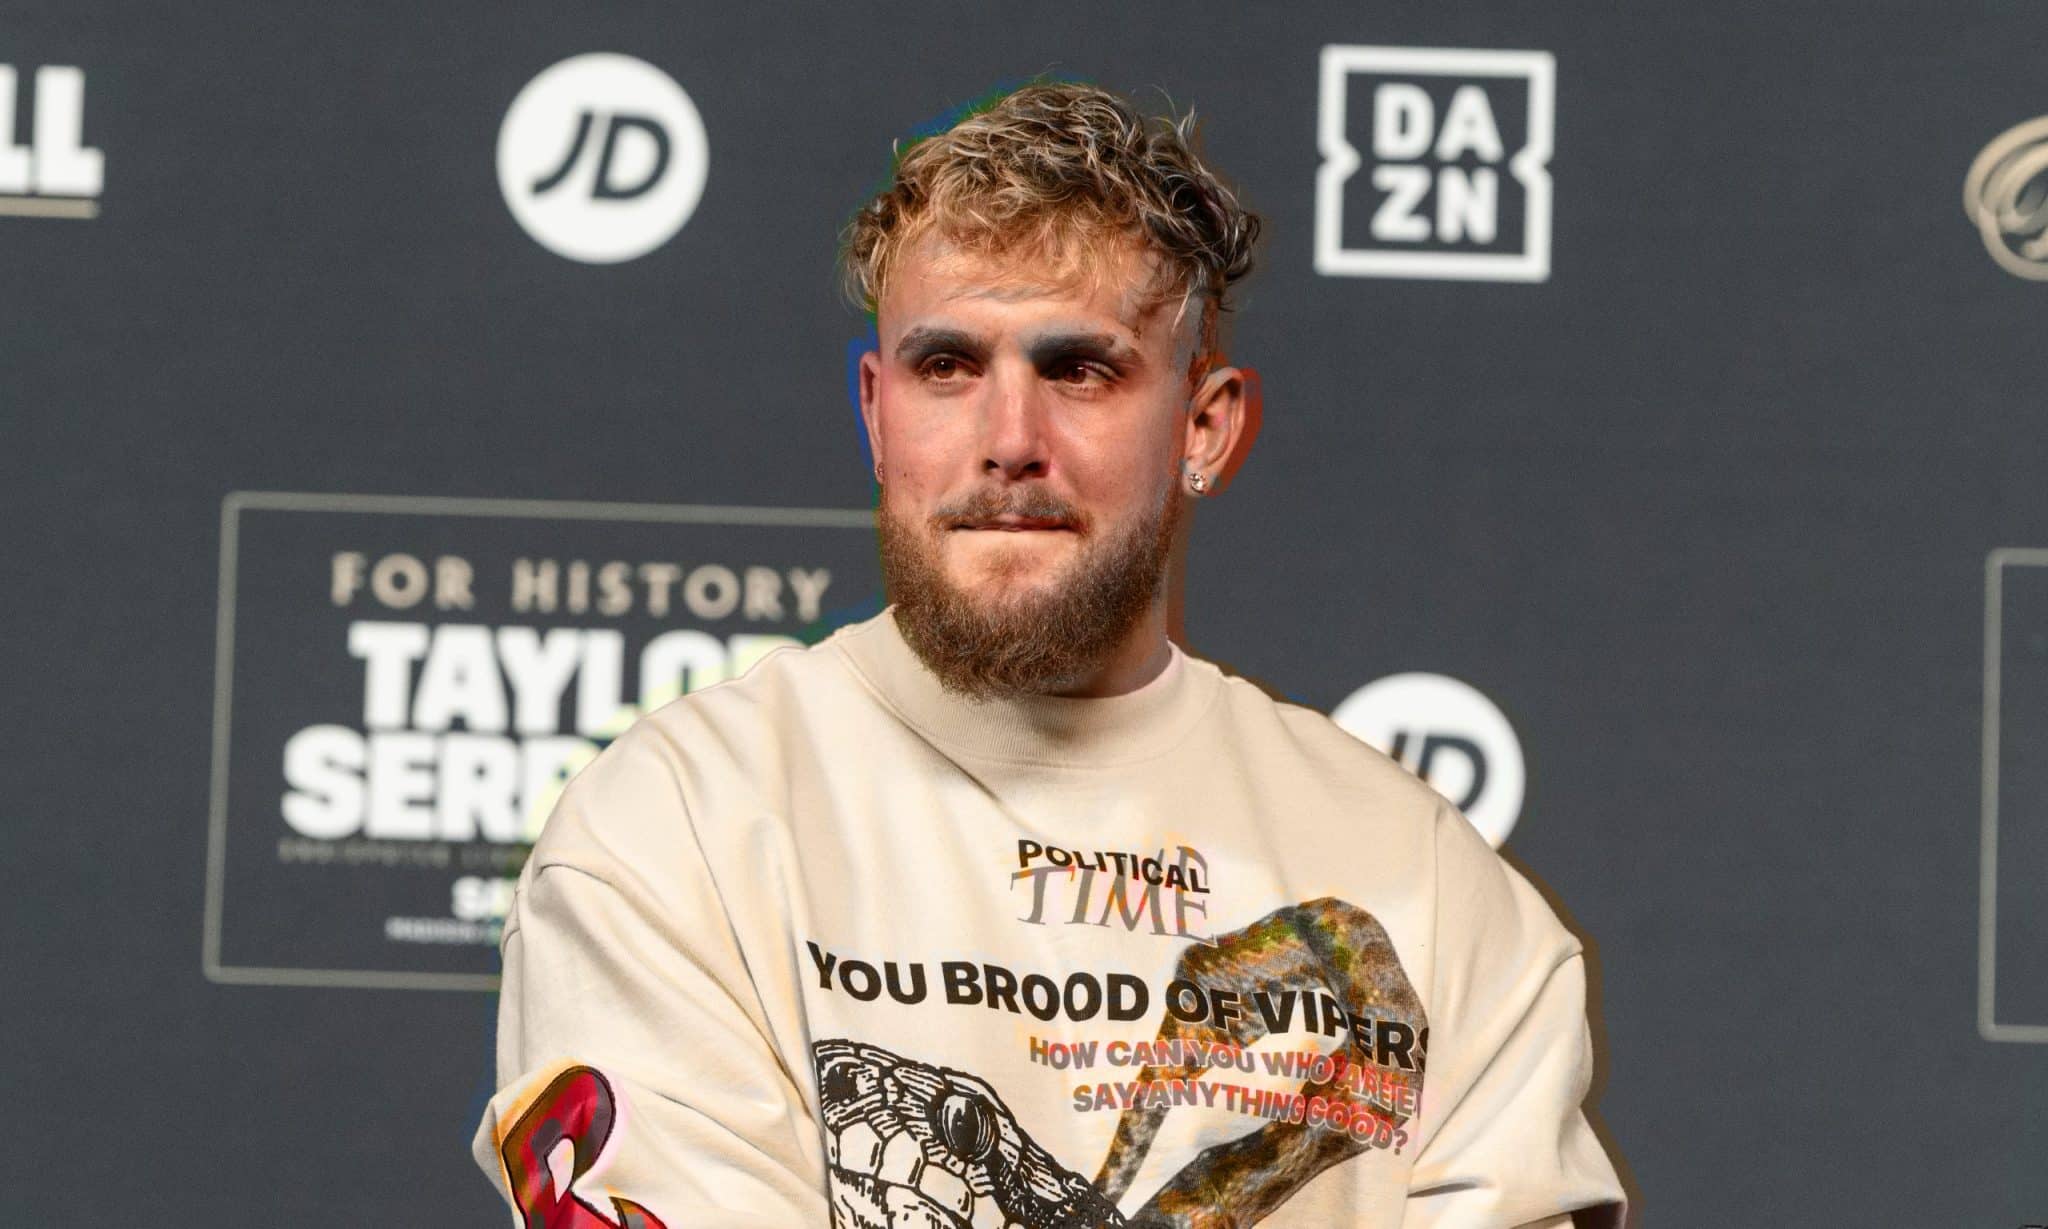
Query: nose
1013	423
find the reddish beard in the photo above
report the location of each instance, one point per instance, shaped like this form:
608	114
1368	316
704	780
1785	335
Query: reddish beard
1044	641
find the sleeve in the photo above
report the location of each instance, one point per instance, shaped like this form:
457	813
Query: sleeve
1510	1059
639	1085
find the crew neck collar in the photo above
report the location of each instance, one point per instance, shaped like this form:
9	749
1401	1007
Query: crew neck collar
1031	729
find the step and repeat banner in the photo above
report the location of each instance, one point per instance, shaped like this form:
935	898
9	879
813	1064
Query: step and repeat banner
397	403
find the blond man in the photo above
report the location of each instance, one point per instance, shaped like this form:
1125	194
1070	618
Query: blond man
1000	909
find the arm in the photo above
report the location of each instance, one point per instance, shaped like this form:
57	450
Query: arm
640	1085
1511	1058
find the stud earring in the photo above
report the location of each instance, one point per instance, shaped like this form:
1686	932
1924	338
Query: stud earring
1199	481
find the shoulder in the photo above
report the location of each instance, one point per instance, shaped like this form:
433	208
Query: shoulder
785	676
1283	735
752	721
1480	895
702	758
1484	896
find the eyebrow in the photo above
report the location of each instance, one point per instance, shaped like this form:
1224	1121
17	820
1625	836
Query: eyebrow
924	341
1102	347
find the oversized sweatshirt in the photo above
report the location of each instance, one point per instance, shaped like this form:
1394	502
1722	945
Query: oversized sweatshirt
828	944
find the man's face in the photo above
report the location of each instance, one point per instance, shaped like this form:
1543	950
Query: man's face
1030	429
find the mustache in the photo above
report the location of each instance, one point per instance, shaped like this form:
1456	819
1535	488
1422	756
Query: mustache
985	505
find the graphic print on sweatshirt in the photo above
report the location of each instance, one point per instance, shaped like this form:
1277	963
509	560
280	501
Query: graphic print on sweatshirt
911	1145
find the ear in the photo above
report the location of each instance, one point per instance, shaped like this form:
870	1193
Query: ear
870	384
1223	420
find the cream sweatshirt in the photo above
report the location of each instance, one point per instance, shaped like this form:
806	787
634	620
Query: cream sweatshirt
828	944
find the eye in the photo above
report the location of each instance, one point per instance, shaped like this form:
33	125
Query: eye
1079	374
843	1082
967	1124
941	368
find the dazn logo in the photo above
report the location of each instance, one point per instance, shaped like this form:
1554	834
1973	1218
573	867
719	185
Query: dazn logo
1434	163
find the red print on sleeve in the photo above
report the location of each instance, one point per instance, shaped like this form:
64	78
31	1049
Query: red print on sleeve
577	1106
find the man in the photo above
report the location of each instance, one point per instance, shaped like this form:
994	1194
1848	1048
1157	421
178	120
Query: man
998	909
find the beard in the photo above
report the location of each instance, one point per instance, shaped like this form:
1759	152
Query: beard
1037	642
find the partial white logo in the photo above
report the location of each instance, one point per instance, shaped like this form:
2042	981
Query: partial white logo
602	158
1425	132
1448	733
56	175
2006	195
471	657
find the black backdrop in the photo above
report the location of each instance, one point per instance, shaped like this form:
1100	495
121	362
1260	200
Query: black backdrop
1708	508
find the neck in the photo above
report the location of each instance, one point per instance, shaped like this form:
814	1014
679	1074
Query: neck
1075	729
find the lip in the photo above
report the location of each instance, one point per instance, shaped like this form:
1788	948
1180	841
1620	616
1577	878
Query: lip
1015	524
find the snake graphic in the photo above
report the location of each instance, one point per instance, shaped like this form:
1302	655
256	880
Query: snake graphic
915	1146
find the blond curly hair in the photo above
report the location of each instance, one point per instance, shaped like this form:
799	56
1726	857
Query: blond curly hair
1054	170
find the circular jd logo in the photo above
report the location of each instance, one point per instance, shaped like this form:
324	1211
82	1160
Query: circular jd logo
602	158
1448	733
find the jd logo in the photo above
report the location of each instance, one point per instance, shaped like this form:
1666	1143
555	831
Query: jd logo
1449	734
602	158
56	174
605	189
1434	163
